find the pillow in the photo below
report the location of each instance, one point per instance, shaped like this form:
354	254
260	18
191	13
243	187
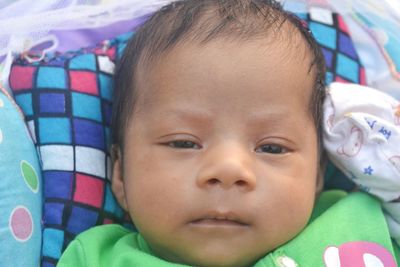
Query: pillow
384	31
67	103
20	189
66	99
332	33
342	64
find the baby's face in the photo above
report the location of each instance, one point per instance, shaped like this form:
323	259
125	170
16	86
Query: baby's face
220	157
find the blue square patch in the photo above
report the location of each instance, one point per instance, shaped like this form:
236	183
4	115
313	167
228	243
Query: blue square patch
110	204
88	133
328	55
347	68
324	34
346	46
328	77
54	131
83	62
53	213
52	103
51	77
81	219
106	86
25	102
86	106
57	184
53	247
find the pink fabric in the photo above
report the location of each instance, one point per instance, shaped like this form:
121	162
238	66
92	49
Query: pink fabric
21	78
89	190
361	254
85	82
343	25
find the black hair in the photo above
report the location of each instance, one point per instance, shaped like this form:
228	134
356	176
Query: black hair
202	21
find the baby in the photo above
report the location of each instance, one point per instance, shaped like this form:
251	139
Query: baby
217	129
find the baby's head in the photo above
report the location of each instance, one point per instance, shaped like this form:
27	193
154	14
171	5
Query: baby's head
216	125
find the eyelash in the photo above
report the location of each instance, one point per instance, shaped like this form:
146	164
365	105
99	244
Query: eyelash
185	144
273	149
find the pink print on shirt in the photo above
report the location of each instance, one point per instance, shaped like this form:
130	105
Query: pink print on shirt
358	254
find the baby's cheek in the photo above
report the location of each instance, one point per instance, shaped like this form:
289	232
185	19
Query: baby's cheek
289	211
156	198
299	205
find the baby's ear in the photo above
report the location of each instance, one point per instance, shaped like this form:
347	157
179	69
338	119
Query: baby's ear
320	182
117	181
320	175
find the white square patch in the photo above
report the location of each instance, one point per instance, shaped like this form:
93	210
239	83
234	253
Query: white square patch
90	161
321	15
106	65
31	127
57	157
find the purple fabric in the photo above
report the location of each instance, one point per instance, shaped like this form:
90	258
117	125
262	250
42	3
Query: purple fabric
76	39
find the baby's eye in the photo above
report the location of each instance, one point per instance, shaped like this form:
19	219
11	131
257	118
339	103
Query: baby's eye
183	144
272	149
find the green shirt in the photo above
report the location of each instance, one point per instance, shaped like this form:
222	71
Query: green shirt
343	223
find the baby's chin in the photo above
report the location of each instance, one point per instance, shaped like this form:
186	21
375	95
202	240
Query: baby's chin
219	262
205	258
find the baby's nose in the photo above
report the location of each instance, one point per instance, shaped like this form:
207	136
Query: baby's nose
227	166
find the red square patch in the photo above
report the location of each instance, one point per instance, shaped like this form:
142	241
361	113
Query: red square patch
89	190
84	81
21	77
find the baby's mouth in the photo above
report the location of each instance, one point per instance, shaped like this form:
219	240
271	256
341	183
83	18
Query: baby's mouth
217	222
215	219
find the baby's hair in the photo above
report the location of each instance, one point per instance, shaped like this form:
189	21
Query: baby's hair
202	21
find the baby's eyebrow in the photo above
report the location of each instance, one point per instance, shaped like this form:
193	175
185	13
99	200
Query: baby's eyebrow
278	120
269	116
190	114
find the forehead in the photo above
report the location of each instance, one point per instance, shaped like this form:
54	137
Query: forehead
271	67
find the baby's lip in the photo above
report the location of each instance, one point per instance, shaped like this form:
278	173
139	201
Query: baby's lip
218	218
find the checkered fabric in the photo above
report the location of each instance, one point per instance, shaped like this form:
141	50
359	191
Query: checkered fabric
67	103
332	33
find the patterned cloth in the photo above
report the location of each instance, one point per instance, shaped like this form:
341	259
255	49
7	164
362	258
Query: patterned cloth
362	137
20	189
67	103
383	25
331	32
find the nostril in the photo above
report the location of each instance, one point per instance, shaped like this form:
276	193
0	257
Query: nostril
241	183
213	181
